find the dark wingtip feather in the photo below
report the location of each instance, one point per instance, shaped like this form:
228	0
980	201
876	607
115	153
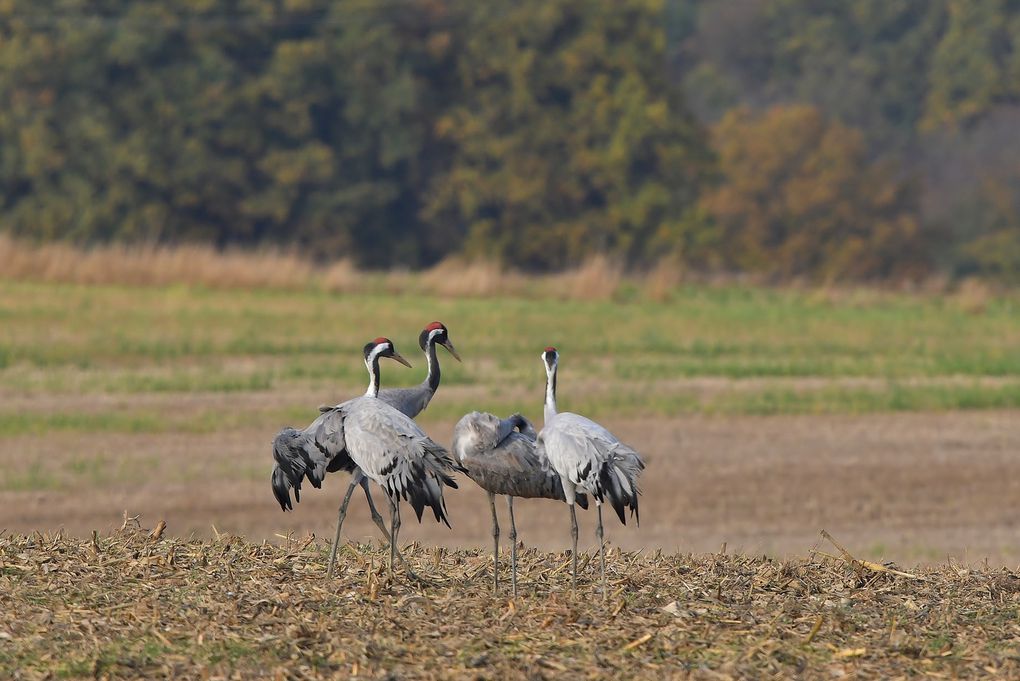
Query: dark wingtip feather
581	500
439	510
423	494
442	515
419	500
618	507
419	507
618	498
281	490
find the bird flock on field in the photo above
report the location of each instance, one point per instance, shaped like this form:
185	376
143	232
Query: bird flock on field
374	438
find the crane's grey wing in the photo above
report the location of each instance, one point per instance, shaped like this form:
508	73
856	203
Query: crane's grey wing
408	401
299	456
590	456
328	435
397	454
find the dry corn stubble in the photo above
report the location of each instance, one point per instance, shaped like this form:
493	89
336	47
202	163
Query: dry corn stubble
138	604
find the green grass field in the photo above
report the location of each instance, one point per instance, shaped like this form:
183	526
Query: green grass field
707	350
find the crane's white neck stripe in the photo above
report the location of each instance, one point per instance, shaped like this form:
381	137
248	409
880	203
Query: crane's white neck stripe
430	353
550	388
372	362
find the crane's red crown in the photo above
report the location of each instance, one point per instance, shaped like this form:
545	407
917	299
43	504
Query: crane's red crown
435	325
380	340
550	349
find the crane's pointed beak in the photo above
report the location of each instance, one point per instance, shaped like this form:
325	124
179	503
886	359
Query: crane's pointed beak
396	356
449	346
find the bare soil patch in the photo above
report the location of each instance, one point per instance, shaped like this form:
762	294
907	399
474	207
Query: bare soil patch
909	487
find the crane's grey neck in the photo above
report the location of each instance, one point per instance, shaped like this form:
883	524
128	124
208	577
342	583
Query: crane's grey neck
432	380
550	392
372	363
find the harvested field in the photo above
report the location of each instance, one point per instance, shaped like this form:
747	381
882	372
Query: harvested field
129	605
890	420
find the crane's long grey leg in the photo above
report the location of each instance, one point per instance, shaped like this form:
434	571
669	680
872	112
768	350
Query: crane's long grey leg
513	544
381	524
573	536
394	527
602	551
495	542
376	516
339	523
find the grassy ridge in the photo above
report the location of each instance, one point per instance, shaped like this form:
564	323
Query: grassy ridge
129	605
772	351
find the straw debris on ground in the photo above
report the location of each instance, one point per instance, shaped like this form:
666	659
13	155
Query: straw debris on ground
139	603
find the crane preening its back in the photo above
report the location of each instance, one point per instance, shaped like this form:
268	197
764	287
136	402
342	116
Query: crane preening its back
371	439
499	455
589	458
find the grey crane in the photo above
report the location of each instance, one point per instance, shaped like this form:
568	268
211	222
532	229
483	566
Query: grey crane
499	455
383	445
290	443
411	401
299	456
587	457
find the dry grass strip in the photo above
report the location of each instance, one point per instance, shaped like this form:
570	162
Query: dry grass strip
140	603
598	278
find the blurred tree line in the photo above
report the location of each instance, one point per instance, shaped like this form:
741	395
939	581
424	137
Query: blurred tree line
872	139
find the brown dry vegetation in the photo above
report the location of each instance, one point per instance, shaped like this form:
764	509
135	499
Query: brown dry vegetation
151	265
599	278
132	605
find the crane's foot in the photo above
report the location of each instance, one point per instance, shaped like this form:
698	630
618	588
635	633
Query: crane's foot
418	579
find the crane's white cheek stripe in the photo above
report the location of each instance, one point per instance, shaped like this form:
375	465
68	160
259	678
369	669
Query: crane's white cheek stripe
376	351
433	333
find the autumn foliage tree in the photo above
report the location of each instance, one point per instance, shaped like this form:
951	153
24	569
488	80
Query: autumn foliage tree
798	196
569	139
534	132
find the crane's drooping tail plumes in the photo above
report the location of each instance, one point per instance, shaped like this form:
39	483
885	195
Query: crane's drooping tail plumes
420	482
618	481
298	458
